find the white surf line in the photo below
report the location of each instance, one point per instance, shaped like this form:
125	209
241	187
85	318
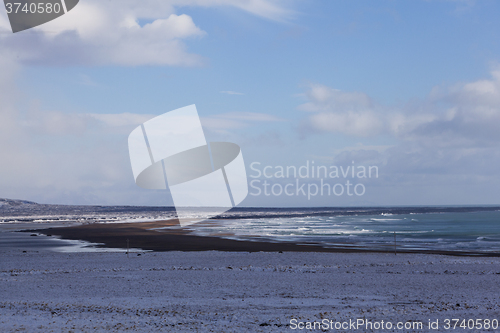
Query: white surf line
64	6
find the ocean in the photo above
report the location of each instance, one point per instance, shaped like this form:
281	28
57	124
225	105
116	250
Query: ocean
416	229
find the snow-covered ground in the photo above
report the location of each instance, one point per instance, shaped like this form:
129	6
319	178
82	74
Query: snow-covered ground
46	291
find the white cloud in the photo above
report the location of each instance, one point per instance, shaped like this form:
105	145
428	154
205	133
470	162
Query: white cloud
467	113
107	39
364	123
444	149
323	98
271	9
61	157
54	123
4	22
51	156
8	96
333	110
108	33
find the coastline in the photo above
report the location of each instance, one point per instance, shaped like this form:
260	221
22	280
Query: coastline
212	284
163	236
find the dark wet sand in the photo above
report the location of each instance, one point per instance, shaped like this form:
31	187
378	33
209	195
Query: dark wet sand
140	235
146	236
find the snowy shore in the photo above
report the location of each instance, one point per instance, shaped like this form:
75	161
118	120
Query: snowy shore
214	291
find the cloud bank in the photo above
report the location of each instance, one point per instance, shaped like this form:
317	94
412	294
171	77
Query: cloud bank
445	147
114	33
58	156
464	114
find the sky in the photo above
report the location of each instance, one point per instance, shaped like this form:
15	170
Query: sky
409	88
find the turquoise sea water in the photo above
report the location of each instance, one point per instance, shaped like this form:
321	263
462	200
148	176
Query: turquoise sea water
440	231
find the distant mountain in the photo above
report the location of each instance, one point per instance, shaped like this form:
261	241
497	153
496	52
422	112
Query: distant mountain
15	203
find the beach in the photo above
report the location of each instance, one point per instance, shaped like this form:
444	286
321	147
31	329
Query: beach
167	235
100	274
220	291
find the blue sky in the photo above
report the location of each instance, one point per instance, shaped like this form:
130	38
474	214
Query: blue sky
412	87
